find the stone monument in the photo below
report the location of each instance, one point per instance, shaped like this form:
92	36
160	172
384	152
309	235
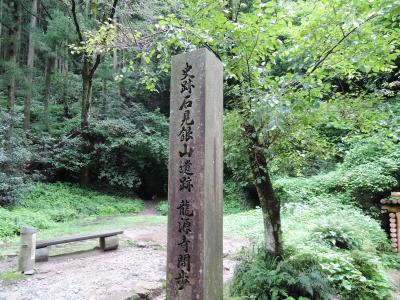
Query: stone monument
195	185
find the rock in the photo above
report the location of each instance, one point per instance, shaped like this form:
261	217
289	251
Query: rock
141	244
145	289
29	272
133	297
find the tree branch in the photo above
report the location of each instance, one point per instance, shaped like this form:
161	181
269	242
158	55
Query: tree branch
110	19
113	10
96	64
332	49
74	16
30	12
46	11
6	26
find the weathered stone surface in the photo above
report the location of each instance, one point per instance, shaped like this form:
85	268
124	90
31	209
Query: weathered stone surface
26	262
109	243
194	267
42	254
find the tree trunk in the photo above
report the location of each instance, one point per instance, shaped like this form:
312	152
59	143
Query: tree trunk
86	93
31	53
14	33
64	74
270	204
104	104
48	67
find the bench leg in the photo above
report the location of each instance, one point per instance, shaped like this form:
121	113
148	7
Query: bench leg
42	254
109	243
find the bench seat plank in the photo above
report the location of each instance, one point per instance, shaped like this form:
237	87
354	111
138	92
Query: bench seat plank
76	238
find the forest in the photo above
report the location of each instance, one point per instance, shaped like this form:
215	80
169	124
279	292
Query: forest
311	132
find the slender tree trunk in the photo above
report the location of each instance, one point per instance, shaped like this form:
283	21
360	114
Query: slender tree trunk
48	67
31	54
115	60
64	74
14	33
104	104
270	204
86	95
87	80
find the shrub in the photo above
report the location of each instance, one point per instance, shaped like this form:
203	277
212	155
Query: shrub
11	162
60	215
261	277
71	200
129	152
12	221
365	183
355	275
43	205
341	237
162	208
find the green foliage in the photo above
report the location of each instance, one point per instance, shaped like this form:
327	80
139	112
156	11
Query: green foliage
235	158
234	198
62	196
350	248
341	237
364	183
11	175
356	276
12	221
258	276
43	205
162	208
126	152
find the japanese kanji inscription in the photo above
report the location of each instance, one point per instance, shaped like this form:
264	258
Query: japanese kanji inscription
194	269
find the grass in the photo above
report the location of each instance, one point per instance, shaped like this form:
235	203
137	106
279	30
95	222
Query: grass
46	205
10	277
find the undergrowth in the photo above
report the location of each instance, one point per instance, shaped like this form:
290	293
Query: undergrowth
43	205
348	250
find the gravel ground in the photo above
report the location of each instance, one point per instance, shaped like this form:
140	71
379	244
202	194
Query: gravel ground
138	266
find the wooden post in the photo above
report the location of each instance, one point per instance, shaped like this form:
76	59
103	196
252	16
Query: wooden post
194	264
27	253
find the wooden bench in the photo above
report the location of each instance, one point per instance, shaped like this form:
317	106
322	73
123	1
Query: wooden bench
108	241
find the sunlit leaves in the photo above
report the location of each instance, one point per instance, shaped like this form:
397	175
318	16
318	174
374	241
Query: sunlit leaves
98	42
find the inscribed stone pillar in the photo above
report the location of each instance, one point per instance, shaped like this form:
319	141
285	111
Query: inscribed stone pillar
195	236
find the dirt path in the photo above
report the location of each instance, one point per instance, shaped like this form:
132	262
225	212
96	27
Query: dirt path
138	266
